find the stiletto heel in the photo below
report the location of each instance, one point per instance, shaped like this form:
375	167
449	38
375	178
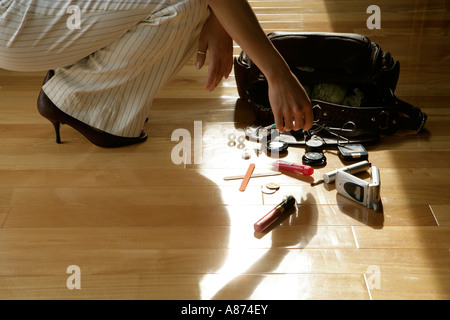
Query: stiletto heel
57	124
100	138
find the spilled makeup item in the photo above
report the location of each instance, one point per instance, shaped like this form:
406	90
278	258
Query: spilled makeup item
293	167
272	216
352	169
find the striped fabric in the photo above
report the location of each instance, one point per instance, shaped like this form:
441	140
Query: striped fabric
107	71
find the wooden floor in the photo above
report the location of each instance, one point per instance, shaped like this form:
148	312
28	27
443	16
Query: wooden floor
139	226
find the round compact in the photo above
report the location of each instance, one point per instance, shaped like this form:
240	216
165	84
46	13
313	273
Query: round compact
314	156
314	159
276	146
314	145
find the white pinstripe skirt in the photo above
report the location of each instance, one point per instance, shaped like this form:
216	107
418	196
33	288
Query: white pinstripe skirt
108	71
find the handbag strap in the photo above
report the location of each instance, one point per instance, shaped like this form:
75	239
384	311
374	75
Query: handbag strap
410	117
381	119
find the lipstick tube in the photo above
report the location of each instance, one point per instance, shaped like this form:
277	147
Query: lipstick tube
274	214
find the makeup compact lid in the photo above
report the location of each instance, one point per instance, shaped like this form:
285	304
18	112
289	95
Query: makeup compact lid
314	145
277	146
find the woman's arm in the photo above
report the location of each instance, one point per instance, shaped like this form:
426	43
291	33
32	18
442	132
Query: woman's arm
288	99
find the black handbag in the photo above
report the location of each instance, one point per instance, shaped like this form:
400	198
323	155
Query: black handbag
359	68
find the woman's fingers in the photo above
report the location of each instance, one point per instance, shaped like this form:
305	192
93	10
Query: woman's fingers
220	66
201	57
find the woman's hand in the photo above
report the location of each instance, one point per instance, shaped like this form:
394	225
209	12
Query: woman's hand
290	104
215	39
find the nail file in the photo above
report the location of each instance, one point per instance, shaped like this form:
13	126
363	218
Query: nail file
254	175
247	176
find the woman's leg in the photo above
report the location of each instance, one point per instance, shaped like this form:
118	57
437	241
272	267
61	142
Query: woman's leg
126	52
112	89
38	35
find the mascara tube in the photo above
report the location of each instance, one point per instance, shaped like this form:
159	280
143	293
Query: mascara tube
274	214
354	168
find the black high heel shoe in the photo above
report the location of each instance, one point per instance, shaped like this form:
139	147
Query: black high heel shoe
100	138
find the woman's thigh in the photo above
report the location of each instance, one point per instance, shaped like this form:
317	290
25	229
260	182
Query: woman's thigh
37	35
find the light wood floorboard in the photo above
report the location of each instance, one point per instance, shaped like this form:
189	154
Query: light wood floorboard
141	227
